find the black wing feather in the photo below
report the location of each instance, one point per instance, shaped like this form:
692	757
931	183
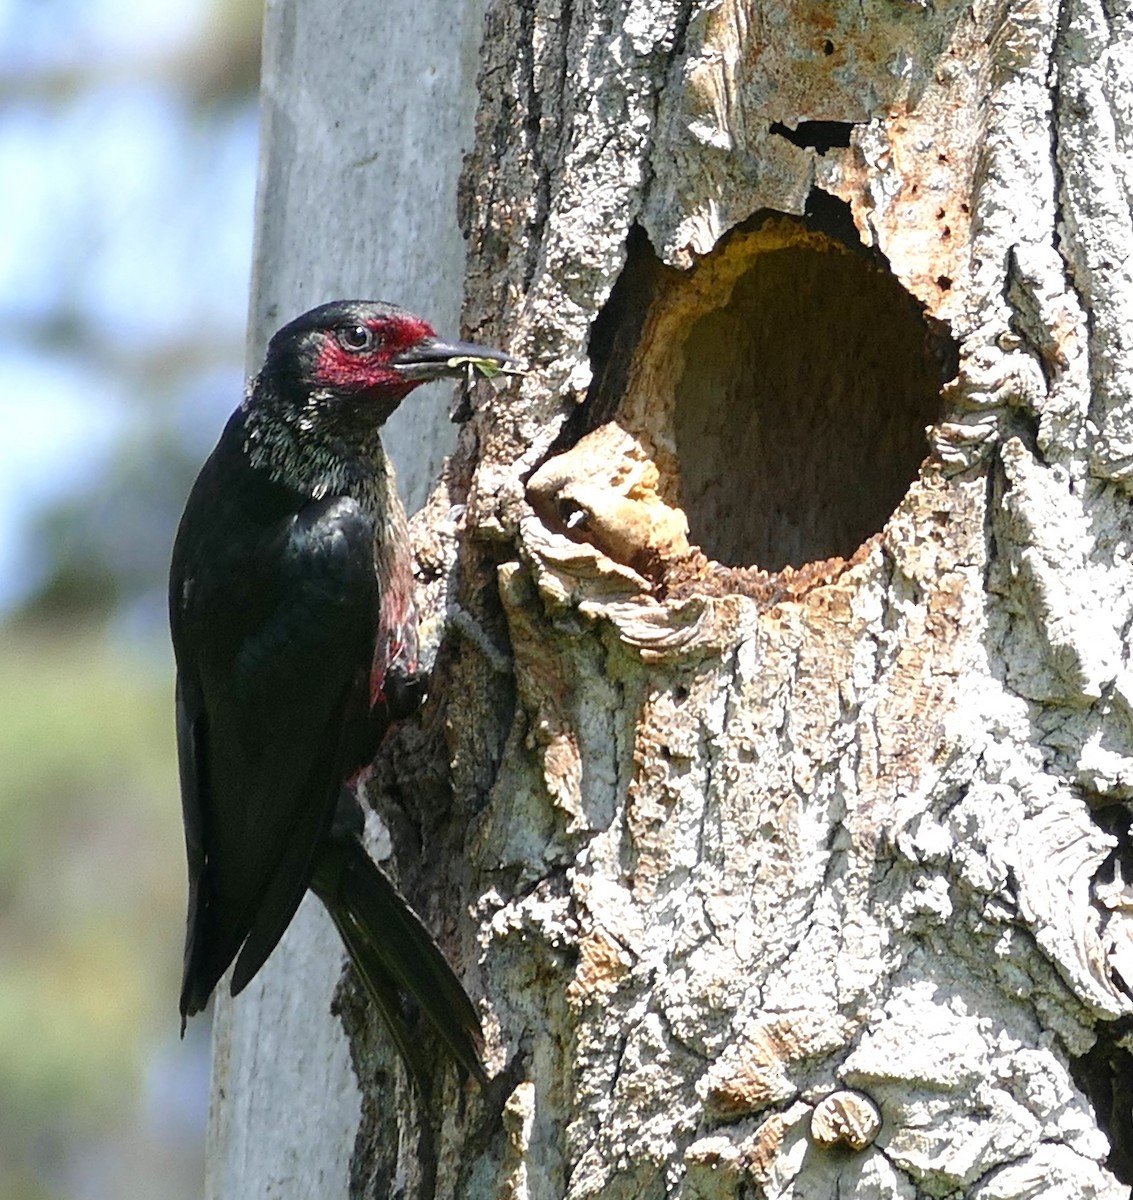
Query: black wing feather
275	613
274	616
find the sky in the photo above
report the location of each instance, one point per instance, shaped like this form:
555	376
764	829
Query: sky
126	216
126	213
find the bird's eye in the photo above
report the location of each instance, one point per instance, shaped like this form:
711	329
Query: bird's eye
357	337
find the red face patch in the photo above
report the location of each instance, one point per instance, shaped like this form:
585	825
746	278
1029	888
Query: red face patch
349	370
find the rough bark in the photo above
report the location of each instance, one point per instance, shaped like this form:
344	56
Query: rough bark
785	822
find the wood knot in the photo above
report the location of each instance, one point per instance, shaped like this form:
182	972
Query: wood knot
846	1118
605	491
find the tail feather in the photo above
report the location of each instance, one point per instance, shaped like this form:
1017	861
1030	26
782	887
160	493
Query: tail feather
396	956
382	992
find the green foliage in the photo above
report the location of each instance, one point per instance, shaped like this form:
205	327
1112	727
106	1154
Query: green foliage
91	890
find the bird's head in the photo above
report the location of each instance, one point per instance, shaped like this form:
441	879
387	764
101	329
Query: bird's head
348	364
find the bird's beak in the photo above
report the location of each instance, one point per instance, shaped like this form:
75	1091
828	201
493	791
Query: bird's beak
434	358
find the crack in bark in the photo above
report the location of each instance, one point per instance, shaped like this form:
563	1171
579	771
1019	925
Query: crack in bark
535	224
1105	1075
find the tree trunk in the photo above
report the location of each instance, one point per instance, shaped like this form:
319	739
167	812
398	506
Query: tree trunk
772	796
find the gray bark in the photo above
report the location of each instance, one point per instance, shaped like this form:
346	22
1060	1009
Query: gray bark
784	834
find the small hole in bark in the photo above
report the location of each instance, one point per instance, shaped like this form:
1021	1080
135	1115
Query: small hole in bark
572	517
799	416
1105	1074
828	47
815	135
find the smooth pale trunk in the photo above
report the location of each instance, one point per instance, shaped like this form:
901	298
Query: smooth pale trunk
366	110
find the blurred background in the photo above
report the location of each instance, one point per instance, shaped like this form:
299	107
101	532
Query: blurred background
128	143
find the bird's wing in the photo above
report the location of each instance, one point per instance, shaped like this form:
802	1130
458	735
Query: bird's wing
274	661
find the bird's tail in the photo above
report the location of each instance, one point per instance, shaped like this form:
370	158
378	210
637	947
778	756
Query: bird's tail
396	956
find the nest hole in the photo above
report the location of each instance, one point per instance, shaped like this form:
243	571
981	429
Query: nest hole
786	382
799	418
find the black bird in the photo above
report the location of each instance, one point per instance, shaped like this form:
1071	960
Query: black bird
295	634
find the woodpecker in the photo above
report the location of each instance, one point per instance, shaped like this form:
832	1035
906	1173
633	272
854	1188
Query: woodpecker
295	636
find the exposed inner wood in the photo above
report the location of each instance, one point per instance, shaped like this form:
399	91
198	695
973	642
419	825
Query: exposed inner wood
799	418
786	383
